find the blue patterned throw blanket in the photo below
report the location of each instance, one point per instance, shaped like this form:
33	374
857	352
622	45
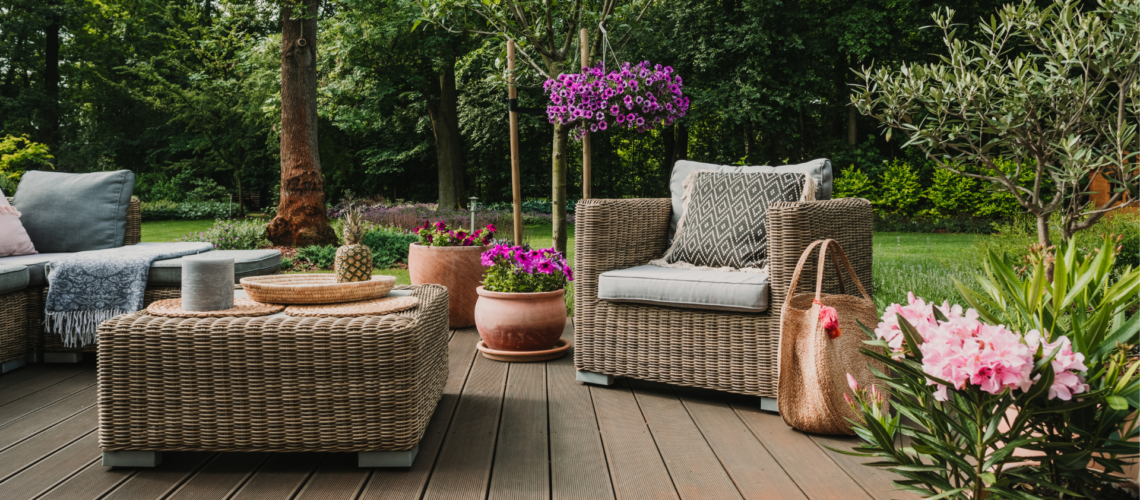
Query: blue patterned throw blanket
87	288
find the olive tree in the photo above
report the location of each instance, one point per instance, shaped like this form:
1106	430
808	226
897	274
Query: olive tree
1054	89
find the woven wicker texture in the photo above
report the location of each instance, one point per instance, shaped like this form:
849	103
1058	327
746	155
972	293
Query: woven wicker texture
52	342
731	352
314	289
13	326
133	235
272	383
813	366
374	307
243	308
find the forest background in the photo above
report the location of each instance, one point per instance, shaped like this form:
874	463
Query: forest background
187	95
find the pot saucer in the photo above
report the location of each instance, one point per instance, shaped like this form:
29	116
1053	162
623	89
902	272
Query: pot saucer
556	352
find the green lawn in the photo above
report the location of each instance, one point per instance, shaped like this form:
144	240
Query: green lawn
923	263
170	230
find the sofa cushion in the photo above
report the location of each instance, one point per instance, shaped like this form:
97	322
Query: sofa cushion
246	263
688	288
726	215
36	264
818	169
13	278
74	212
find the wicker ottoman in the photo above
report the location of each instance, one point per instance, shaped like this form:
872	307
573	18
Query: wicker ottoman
273	383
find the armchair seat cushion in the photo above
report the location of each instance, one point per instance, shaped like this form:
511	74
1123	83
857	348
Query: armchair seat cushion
686	288
13	278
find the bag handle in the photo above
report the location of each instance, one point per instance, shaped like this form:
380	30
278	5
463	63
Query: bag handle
820	269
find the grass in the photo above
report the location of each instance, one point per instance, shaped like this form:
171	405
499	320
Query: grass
170	230
926	264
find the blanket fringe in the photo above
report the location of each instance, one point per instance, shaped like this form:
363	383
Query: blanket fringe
79	328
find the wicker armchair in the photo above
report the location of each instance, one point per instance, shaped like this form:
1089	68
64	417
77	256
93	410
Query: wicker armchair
724	351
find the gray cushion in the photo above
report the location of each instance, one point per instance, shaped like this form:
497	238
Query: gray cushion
664	286
246	263
818	169
74	212
35	263
726	215
13	278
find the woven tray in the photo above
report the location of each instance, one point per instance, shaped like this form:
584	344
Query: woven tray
314	289
374	307
242	308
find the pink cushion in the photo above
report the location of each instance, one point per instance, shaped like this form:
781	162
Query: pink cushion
13	238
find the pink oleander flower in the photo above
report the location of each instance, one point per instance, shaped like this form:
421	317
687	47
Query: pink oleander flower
852	383
1067	365
829	319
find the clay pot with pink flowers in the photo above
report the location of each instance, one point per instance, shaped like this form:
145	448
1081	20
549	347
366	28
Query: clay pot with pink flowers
521	311
452	258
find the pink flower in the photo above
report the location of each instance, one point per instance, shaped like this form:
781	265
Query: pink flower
829	319
1067	365
852	383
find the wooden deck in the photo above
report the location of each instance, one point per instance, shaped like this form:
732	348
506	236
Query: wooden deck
501	431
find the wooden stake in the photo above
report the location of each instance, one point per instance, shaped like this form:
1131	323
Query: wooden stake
586	178
516	187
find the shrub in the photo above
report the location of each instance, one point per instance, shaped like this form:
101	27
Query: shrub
900	191
18	154
853	183
409	217
952	194
891	223
159	210
233	234
321	256
389	245
190	210
1015	236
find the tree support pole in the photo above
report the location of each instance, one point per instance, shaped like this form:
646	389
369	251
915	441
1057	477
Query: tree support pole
586	176
516	187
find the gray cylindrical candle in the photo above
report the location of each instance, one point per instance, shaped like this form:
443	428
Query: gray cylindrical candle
207	282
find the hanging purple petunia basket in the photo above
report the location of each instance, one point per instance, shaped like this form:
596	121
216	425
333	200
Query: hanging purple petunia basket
642	97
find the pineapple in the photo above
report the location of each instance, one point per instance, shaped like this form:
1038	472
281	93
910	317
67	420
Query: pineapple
353	260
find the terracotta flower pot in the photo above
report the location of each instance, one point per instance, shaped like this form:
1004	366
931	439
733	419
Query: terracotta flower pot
457	268
520	321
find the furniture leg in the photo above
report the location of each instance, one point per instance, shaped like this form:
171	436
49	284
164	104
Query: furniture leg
769	404
594	378
387	458
132	458
11	365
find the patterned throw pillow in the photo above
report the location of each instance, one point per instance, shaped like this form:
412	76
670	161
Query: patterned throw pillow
15	239
725	217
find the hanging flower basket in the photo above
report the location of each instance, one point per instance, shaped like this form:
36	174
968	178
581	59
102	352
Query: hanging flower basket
642	97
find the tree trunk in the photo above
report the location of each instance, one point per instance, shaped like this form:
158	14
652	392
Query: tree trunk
558	182
669	136
852	133
241	195
1043	230
444	114
301	218
51	83
681	142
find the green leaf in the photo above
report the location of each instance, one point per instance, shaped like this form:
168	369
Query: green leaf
913	339
1117	403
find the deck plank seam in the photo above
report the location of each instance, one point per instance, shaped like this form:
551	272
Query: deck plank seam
308	477
841	467
185	479
64	479
41	431
652	437
498	427
44	457
37	391
602	439
45	405
248	476
113	487
735	411
731	477
450	421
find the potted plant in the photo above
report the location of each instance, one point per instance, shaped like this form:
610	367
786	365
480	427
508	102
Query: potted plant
521	310
451	257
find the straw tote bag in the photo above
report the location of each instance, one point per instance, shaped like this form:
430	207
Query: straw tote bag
814	360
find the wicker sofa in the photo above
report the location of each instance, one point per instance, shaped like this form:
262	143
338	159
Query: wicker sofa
41	345
725	351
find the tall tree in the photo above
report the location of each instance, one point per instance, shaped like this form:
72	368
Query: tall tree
443	109
301	218
545	32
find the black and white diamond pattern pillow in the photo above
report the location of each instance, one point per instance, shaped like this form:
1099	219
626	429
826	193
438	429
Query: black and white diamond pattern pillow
725	218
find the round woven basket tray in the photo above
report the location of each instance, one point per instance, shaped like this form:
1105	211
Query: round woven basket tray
242	308
374	307
314	289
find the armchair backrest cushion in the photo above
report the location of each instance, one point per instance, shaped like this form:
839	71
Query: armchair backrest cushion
74	212
819	169
725	221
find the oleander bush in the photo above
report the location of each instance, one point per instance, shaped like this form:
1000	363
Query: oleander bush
233	234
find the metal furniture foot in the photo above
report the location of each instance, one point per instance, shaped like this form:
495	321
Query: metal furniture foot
769	404
387	458
12	365
594	378
63	357
132	458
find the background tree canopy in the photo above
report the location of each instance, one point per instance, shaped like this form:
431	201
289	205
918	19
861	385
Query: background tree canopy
187	93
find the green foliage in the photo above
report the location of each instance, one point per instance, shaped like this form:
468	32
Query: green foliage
1096	309
1016	236
853	183
189	210
321	256
159	210
900	191
389	245
229	234
520	269
18	154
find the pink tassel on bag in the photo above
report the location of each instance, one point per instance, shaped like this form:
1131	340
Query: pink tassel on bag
830	320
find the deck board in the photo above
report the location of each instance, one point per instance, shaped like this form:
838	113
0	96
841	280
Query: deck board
874	480
399	484
499	431
757	475
464	466
578	469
